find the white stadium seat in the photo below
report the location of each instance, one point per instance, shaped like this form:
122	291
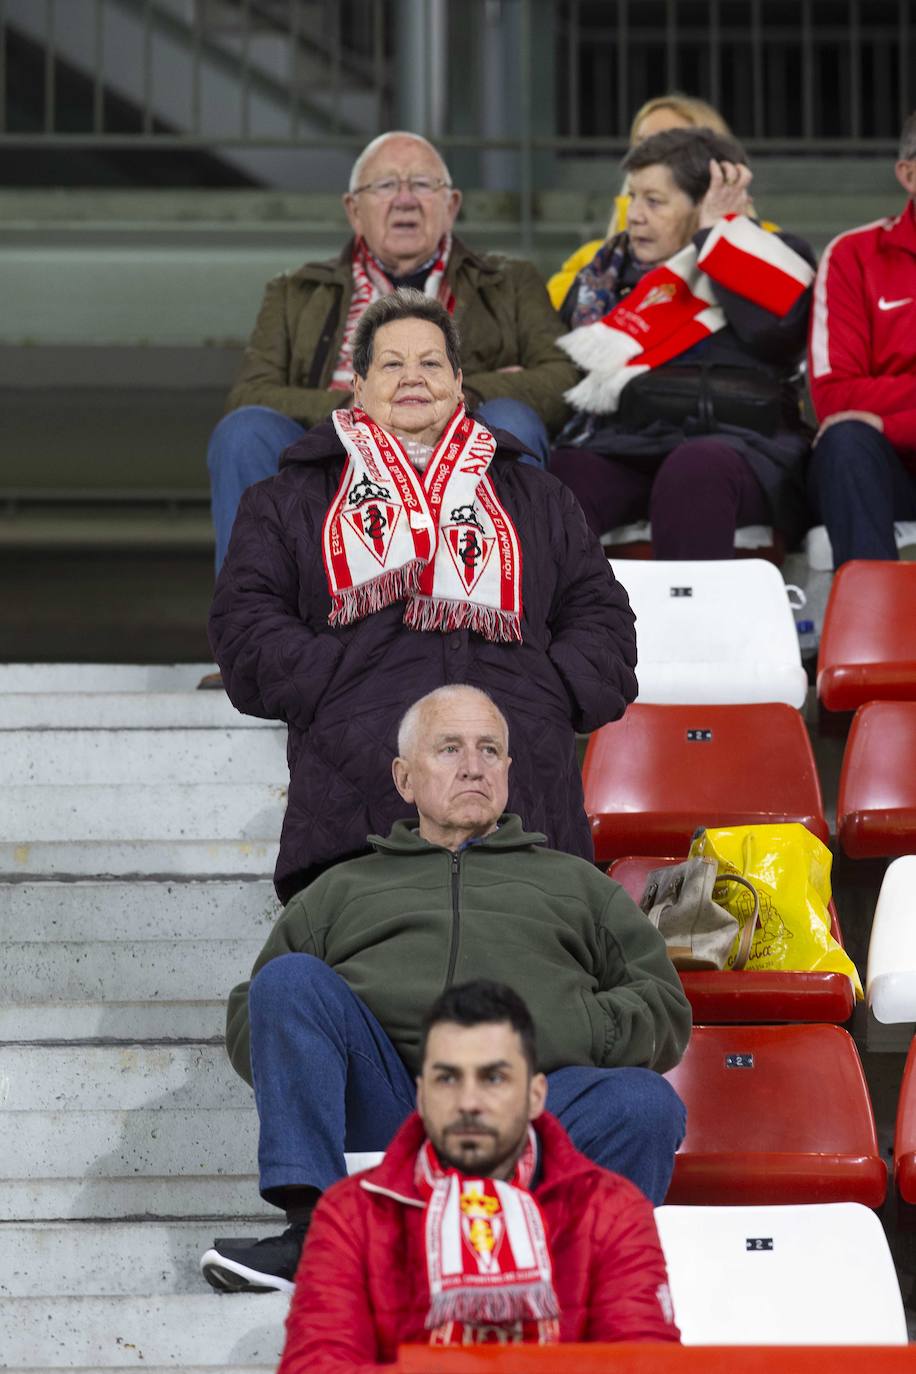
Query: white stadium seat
640	532
819	552
795	1275
366	1159
713	632
890	982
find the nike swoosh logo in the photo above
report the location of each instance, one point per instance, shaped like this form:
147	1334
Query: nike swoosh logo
892	305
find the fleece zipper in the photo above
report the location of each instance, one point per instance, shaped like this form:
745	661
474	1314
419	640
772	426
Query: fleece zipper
456	921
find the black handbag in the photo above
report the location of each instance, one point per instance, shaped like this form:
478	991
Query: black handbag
701	399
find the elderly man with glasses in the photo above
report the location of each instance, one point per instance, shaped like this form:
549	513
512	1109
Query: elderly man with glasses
298	364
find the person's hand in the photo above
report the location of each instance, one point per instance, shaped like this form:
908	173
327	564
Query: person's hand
727	194
865	417
515	367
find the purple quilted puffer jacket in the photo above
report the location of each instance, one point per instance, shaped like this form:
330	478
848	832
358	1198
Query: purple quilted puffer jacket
342	691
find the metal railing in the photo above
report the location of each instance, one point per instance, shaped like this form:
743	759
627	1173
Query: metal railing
810	74
799	75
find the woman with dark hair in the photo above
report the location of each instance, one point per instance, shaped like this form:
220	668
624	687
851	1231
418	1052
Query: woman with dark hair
689	328
402	547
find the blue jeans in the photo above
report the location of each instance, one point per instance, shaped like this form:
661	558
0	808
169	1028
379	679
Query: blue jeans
859	487
328	1079
245	447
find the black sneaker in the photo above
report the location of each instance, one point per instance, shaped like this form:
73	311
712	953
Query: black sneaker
255	1266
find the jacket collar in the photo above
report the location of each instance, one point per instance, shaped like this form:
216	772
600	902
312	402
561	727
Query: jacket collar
405	838
901	232
560	1161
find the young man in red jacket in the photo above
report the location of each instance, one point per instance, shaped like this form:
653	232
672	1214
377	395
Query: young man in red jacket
862	371
482	1223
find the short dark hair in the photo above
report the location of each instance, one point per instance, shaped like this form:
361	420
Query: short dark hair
404	304
686	153
482	1003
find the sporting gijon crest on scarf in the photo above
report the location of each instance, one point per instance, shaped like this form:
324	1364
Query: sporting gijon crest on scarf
674	307
487	1258
442	541
370	283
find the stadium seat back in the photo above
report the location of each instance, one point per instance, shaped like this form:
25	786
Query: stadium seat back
775	1114
714	632
905	1131
876	805
796	1275
868	645
654	776
890	982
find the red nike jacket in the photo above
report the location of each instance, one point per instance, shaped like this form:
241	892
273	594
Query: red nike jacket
862	345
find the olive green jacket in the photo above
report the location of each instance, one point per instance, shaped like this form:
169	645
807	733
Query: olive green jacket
502	311
405	922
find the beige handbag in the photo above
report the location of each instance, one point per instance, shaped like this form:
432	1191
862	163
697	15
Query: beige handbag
698	933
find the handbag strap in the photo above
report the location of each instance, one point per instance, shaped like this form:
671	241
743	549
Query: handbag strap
748	928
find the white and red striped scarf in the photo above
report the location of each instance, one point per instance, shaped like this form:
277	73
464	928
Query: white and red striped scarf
674	306
487	1258
442	542
369	284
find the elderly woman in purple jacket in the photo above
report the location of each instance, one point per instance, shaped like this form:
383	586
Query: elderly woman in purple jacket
401	547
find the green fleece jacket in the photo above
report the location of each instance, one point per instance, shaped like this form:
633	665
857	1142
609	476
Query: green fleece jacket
406	921
502	310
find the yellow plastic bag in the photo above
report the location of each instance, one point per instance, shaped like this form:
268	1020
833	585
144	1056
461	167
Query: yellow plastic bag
790	868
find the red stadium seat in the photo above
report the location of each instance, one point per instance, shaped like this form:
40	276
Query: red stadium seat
721	998
775	1114
876	807
868	646
656	1357
651	778
905	1132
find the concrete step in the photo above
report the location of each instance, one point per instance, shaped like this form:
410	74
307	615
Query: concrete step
169	1332
128	1132
106	1259
102	859
126	961
101	677
135	912
130	812
125	1132
105	989
83	1080
129	710
66	757
230	1202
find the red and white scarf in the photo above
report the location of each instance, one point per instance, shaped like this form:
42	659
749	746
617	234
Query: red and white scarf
443	542
674	306
487	1259
370	283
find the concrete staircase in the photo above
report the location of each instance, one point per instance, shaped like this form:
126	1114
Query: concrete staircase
138	831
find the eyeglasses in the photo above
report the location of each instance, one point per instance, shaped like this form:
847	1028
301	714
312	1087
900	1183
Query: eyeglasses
386	188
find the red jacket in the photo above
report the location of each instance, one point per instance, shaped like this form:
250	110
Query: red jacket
862	348
361	1289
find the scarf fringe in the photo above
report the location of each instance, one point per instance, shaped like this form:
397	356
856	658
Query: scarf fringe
592	346
599	392
397	584
496	1306
426	613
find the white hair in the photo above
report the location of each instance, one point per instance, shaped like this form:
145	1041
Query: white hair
370	149
410	720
